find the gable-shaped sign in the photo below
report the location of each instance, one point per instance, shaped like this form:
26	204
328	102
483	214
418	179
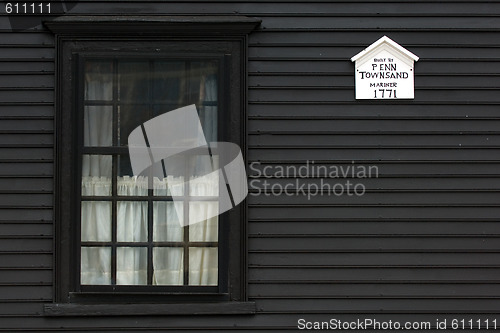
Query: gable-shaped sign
384	70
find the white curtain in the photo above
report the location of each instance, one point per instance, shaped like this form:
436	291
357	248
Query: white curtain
132	216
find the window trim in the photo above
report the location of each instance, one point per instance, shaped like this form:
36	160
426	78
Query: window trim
227	35
91	310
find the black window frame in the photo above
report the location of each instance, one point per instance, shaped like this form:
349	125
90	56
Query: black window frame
225	37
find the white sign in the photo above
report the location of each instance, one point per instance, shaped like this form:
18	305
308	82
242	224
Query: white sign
384	70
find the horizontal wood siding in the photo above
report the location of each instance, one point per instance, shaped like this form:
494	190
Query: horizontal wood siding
422	243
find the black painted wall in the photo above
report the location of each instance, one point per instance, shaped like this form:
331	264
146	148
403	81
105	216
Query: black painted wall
422	243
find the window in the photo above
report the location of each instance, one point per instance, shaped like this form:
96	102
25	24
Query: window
121	238
131	233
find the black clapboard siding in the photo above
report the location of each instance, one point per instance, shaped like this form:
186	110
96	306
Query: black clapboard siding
375	212
29	95
271	94
344	110
33	38
30	153
366	37
26	51
370	198
25	275
387	126
23	140
444	66
423	243
26	81
30	199
26	183
396	184
372	305
25	228
25	293
360	154
26	213
22	125
470	81
27	66
332	290
12	260
361	227
343	243
26	110
346	51
260	259
408	169
27	310
20	168
375	21
25	243
256	140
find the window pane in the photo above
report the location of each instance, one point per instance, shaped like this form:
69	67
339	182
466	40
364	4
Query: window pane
96	166
133	81
127	183
130	116
95	265
132	186
206	231
131	265
169	186
207	108
169	83
132	221
197	90
203	269
178	84
96	221
96	175
98	125
166	216
168	263
200	212
204	184
98	80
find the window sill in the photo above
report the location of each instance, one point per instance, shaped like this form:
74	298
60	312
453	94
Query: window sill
71	309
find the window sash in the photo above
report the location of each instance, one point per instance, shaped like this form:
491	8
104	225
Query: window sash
115	150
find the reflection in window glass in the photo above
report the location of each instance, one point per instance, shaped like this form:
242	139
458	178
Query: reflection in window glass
133	81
